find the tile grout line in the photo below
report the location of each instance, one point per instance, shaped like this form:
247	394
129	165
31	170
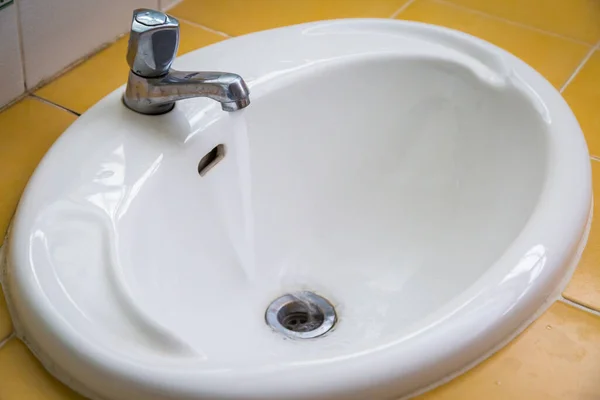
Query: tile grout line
3	342
14	101
12	332
21	47
579	67
511	22
204	27
90	54
31	92
35	96
402	8
578	306
173	4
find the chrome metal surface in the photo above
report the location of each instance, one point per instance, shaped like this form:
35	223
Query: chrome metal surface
301	315
153	43
153	87
151	18
158	95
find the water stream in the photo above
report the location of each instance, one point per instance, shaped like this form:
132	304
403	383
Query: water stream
240	153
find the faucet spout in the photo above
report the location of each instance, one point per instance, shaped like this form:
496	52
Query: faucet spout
158	95
153	87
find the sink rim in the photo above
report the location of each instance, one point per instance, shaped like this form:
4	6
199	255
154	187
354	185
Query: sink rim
563	150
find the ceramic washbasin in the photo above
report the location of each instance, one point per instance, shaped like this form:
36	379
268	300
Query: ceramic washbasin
434	188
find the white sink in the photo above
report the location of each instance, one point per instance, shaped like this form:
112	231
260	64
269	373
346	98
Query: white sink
434	188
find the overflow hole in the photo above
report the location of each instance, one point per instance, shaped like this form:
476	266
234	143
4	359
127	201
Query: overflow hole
211	159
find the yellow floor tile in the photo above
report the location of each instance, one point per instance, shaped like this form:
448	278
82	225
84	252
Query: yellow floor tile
577	19
28	128
554	57
583	95
237	17
556	358
22	377
87	83
6	326
584	287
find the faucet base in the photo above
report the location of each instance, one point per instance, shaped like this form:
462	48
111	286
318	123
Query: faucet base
148	109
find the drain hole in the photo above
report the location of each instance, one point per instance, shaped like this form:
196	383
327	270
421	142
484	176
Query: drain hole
211	159
293	320
299	317
302	315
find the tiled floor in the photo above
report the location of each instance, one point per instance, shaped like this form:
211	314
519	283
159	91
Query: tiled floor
558	357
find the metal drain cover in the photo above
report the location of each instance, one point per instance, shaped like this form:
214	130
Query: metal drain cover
301	315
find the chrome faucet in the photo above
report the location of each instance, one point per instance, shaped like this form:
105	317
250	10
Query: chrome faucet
153	87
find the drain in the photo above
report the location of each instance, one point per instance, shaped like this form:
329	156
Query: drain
301	315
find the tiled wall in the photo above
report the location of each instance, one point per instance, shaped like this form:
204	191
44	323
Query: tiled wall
40	38
12	83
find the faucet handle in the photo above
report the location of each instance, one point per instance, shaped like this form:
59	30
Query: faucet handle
153	43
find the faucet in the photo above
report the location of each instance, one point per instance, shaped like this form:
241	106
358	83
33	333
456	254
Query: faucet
153	87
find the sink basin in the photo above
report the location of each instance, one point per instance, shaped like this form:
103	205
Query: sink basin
432	187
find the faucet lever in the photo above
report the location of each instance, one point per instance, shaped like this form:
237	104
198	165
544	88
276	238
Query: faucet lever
153	43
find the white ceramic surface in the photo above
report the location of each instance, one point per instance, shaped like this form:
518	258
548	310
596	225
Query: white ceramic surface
435	188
